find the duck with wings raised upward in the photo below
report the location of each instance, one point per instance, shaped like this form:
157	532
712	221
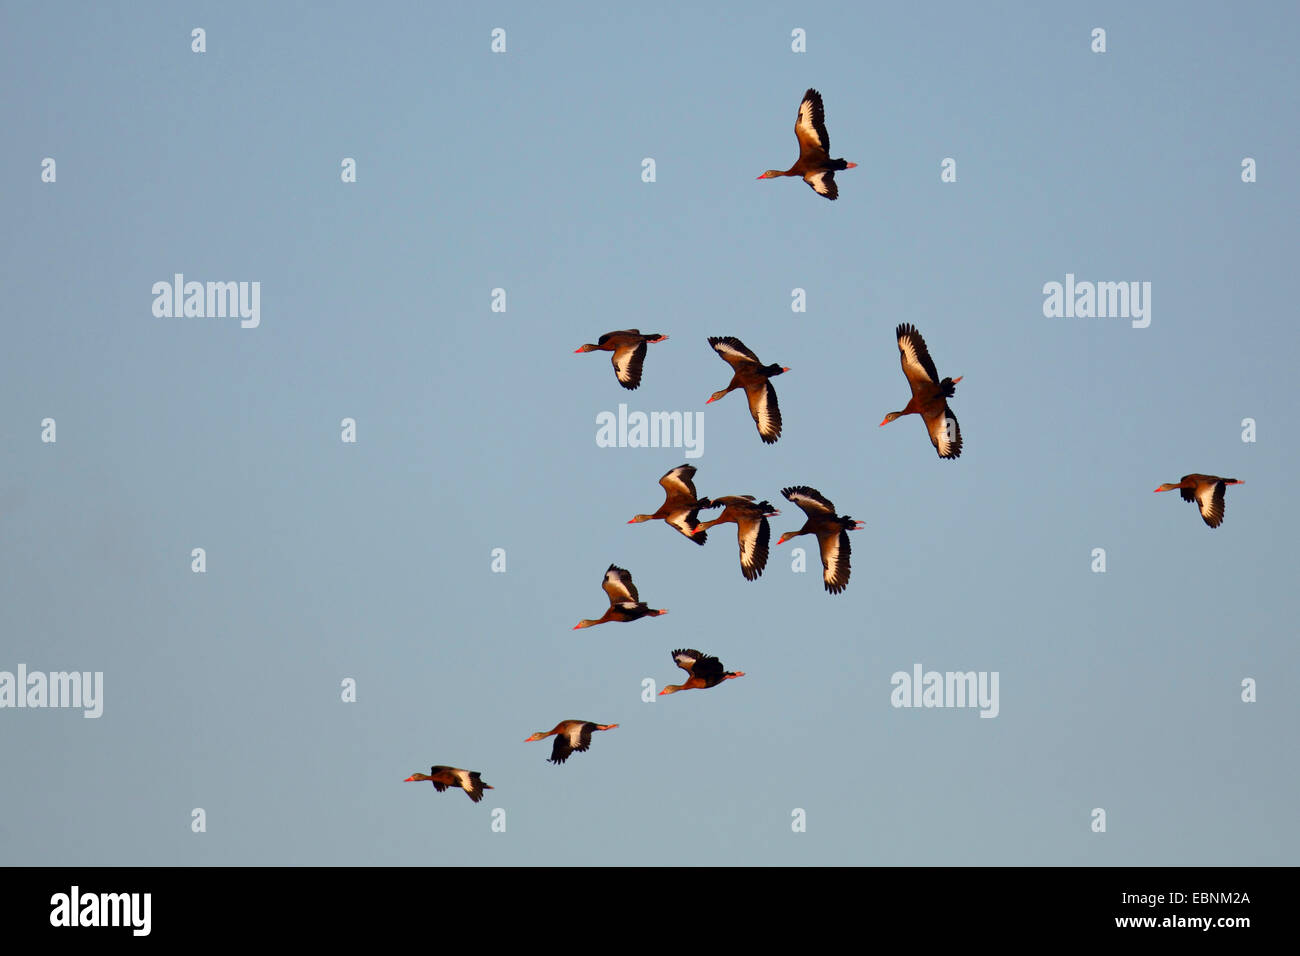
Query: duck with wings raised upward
681	507
814	164
624	603
929	394
704	671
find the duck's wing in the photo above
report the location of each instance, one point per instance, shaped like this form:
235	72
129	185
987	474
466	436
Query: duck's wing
917	364
1209	497
812	501
754	534
765	410
822	182
618	585
732	350
835	560
628	360
945	433
810	127
679	483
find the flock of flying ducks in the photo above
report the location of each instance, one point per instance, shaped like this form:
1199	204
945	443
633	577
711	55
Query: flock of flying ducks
682	505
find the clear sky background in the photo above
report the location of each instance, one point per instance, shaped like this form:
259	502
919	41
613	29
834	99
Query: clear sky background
476	430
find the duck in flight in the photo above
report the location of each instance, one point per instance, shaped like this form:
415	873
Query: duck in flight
629	348
832	533
752	529
570	735
754	377
815	164
929	395
1206	491
444	777
704	671
681	507
624	603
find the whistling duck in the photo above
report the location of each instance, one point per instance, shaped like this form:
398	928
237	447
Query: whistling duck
705	671
832	534
752	530
624	603
752	376
681	507
570	735
815	164
444	777
629	348
1206	491
928	393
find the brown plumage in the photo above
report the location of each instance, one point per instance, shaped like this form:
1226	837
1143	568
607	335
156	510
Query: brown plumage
1206	491
929	394
704	671
629	348
570	735
832	534
814	164
752	530
753	376
681	507
624	603
444	777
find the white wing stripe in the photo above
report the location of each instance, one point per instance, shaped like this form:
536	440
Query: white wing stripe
911	359
806	125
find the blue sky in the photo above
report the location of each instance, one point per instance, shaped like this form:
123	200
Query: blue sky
476	430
